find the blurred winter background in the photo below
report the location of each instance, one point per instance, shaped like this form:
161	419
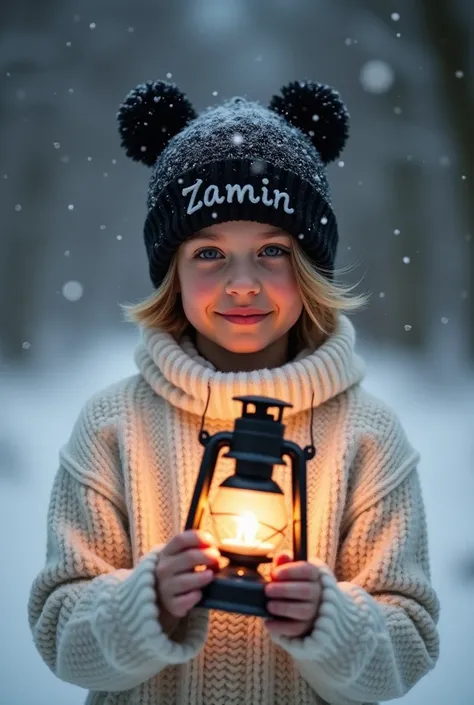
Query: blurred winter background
72	210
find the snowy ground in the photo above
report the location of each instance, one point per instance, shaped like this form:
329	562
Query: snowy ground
36	416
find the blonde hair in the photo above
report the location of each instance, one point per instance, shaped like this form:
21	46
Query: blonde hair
323	301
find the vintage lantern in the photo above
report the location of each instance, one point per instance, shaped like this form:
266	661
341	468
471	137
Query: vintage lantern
248	511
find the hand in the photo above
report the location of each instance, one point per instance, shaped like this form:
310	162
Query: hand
178	583
294	593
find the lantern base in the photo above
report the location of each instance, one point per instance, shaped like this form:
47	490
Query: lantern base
236	589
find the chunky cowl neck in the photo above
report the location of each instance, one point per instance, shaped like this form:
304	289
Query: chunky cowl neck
177	372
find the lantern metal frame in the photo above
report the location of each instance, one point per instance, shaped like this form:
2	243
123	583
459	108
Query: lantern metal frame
256	444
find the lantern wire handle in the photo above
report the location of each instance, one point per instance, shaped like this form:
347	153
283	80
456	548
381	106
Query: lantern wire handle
204	435
310	450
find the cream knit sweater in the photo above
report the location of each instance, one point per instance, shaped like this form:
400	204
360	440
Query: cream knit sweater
123	489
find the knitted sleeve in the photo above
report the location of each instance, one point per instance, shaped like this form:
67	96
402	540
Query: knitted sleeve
375	634
94	616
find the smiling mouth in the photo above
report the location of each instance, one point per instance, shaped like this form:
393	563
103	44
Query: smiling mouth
245	320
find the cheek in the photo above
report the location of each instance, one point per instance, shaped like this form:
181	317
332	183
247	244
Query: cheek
195	287
285	286
196	293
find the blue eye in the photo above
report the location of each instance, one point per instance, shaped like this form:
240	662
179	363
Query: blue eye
211	254
274	251
207	253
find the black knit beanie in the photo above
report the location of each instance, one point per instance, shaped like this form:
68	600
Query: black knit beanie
237	161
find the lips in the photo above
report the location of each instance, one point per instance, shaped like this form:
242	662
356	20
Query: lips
245	316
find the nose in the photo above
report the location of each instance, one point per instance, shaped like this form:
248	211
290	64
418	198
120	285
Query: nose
242	282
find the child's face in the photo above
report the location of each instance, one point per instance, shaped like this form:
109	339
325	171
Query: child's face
239	265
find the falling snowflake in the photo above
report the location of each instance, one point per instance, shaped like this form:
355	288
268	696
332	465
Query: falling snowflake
341	163
377	76
102	227
397	110
130	29
26	345
315	118
395	16
445	161
169	75
464	177
69	44
257	167
119	237
72	291
396	231
444	320
237	138
92	25
459	74
70	207
67	253
56	145
324	220
407	327
406	260
18	207
214	93
259	58
89	159
382	295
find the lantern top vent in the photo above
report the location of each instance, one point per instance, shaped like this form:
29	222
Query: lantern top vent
259	407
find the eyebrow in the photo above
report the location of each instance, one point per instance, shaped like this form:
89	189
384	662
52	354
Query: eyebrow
216	236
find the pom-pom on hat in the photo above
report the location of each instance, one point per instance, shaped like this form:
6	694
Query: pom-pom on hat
236	161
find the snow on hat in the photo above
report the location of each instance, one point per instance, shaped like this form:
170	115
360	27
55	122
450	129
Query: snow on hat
236	161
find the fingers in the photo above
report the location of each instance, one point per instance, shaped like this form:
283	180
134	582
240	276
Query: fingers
294	594
179	606
188	539
281	559
299	590
187	582
301	570
302	611
188	560
293	597
178	593
178	584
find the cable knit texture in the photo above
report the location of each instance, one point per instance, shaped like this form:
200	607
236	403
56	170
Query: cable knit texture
123	489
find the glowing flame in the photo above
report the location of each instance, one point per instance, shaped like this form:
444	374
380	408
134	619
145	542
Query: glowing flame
247	527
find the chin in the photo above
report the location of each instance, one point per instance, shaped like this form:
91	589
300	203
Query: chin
244	349
242	346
